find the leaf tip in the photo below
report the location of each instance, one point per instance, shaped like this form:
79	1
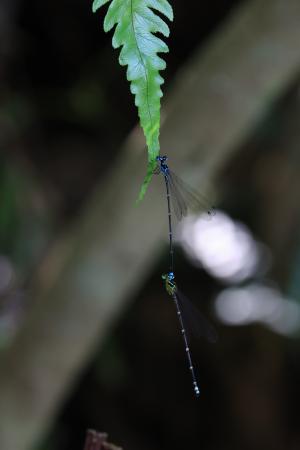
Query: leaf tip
95	5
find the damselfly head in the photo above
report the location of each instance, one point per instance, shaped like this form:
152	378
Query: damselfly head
161	158
171	276
168	276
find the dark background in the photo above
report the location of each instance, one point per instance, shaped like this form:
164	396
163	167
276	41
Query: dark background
65	111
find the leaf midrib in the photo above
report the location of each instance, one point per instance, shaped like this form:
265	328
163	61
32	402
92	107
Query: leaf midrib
141	60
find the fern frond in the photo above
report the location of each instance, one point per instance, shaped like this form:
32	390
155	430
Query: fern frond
136	24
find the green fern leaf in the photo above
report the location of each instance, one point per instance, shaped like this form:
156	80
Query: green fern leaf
136	23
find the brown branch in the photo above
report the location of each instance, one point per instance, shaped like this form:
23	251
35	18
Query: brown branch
97	441
94	440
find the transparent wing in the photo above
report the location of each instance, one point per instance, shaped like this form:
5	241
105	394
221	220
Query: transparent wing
184	197
194	319
178	202
156	170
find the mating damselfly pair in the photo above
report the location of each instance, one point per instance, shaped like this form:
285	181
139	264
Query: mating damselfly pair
183	198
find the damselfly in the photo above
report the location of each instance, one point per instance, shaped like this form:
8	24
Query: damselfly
187	313
183	198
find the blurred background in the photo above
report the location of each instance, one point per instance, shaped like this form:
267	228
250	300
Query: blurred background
88	336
